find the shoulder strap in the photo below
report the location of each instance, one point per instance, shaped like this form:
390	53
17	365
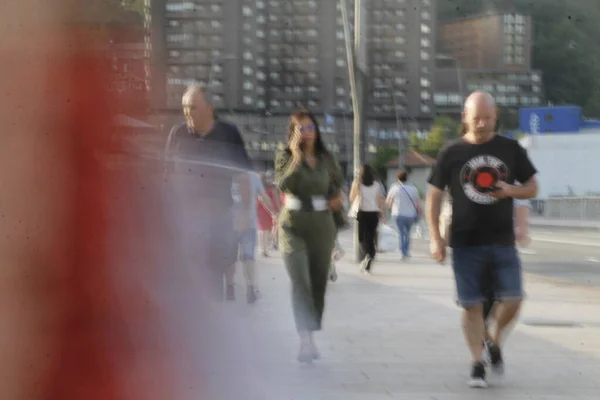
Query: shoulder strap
170	140
410	198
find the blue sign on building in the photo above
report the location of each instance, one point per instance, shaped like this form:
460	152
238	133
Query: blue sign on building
544	120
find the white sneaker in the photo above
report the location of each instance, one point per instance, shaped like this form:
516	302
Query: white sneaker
333	276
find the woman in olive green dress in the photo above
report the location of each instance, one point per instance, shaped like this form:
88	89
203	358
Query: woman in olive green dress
310	179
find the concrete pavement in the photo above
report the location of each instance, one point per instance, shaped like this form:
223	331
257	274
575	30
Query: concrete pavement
542	222
396	335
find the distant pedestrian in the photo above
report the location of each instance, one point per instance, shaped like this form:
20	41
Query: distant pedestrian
266	218
403	198
367	193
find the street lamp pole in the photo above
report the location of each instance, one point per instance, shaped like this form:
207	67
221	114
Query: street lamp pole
357	70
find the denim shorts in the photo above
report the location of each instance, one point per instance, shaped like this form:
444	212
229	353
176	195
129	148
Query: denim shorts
247	245
470	265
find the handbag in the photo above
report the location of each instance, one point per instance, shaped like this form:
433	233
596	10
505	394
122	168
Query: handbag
355	207
413	203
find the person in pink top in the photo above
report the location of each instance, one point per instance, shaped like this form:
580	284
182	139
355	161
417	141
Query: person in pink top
266	220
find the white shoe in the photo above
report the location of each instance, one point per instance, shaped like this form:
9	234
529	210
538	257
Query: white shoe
333	276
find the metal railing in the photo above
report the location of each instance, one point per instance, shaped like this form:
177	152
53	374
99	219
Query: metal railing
584	208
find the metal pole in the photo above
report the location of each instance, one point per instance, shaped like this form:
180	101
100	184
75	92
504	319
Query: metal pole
402	147
346	142
461	89
356	56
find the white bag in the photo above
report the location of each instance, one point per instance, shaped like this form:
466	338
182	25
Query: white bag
387	240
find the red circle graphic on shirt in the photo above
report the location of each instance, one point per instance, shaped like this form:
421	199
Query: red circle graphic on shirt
485	179
479	175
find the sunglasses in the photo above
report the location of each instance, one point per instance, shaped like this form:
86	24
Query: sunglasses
306	128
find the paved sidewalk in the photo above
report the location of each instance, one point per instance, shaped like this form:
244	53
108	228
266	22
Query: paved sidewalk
541	222
396	335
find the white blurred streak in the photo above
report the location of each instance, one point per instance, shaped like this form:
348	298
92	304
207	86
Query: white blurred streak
32	202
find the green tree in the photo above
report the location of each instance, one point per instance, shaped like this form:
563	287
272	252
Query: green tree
381	158
107	13
508	119
444	128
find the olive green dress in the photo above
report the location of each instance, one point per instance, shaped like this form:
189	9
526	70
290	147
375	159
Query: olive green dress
307	237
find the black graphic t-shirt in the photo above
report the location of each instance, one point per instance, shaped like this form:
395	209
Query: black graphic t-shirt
470	171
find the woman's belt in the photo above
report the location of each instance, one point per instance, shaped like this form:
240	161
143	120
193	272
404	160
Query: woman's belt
317	203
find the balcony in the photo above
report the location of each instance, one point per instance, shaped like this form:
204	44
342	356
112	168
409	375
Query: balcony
191	10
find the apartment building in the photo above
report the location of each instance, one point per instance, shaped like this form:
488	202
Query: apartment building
499	41
489	52
264	58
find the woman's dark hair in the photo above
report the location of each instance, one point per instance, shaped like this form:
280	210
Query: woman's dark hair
320	147
366	175
402	176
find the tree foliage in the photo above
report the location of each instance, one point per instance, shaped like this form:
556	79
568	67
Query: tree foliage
108	13
566	46
444	128
381	158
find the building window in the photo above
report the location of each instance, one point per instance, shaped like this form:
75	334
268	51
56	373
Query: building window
248	100
399	40
425	29
400	27
215	24
425	15
424	55
260	5
260	34
425	82
261	19
247	71
425	108
247	11
248	85
248	56
339	35
261	76
425	43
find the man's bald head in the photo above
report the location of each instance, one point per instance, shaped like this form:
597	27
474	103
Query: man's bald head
480	99
479	115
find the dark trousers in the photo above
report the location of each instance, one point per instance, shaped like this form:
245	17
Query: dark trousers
367	231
